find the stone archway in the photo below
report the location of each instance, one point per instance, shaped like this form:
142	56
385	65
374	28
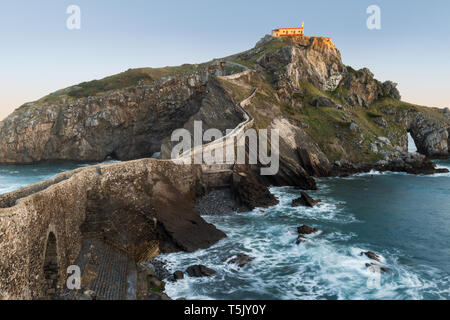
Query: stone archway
51	269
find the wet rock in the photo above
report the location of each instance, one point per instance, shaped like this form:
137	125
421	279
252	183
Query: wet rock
377	268
200	271
178	275
371	255
147	268
305	200
305	230
241	259
158	269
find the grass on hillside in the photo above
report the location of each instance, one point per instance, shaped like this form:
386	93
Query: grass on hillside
123	80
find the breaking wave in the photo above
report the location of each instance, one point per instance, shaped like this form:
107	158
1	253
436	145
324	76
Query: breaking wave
328	265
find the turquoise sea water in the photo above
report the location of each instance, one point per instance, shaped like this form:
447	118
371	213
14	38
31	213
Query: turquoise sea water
403	218
13	177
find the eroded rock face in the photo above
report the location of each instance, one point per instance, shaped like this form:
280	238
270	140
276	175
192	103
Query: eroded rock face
312	59
124	124
431	139
300	157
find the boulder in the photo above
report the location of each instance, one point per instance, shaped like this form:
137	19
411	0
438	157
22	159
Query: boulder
324	102
200	270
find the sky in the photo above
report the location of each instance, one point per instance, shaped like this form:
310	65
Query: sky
39	54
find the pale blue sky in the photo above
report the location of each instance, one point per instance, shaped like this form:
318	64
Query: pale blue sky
39	54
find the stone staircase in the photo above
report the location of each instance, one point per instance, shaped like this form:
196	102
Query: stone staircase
104	262
105	272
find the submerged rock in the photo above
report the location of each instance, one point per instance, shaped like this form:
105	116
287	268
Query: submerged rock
200	270
377	268
241	259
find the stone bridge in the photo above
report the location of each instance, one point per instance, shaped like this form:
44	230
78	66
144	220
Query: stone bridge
105	219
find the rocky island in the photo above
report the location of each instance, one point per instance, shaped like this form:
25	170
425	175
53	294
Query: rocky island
113	218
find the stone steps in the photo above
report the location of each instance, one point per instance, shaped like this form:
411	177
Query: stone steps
104	270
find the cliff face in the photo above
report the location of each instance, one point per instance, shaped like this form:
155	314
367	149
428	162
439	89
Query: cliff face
311	59
329	112
124	123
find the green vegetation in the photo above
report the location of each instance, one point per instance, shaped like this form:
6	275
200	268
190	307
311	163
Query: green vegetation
129	78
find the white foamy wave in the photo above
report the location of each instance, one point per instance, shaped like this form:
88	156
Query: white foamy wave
327	209
327	265
314	269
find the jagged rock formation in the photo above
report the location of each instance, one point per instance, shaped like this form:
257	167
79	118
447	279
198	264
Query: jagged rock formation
311	59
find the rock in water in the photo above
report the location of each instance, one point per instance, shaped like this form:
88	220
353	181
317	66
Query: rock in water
305	230
199	270
305	200
371	255
178	275
241	259
376	268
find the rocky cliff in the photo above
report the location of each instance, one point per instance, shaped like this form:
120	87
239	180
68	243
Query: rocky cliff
326	112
